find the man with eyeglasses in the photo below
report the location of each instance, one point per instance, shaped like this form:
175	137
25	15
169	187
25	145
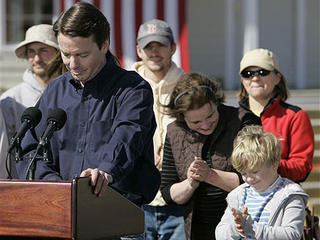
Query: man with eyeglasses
39	48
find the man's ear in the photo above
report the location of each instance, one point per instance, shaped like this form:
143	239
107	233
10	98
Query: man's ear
139	52
173	48
105	46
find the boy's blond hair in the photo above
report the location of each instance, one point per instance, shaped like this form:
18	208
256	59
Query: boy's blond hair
253	147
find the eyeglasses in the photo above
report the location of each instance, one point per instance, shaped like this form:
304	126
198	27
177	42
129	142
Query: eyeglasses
42	52
250	74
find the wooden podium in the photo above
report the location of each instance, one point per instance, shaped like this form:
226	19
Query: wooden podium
65	210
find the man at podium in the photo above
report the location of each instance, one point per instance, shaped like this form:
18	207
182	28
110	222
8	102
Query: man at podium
110	122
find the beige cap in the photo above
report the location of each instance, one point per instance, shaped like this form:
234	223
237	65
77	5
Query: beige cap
259	57
42	33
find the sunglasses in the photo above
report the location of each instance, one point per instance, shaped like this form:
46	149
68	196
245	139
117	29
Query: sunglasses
250	74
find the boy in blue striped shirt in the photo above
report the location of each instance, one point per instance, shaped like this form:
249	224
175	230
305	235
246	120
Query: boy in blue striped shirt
266	206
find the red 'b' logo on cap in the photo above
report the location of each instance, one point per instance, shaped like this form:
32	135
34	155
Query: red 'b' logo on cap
152	28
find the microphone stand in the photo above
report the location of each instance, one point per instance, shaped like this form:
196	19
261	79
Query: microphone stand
15	144
35	158
32	159
18	151
32	168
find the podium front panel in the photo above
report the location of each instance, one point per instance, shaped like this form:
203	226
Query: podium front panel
35	209
107	216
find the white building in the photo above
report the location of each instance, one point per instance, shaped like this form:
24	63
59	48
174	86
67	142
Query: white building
220	31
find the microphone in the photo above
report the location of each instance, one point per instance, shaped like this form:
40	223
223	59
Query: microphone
29	119
55	121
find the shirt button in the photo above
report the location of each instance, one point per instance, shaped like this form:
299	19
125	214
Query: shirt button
79	150
82	124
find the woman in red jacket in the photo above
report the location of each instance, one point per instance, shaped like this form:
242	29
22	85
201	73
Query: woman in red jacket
264	92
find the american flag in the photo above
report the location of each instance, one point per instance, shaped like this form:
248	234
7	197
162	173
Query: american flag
125	17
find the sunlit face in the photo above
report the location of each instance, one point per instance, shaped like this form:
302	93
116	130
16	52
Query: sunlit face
39	55
260	87
204	120
156	56
262	178
82	56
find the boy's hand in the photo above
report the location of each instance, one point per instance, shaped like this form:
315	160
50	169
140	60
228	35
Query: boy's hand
240	219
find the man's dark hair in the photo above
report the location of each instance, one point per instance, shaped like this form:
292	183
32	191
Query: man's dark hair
83	20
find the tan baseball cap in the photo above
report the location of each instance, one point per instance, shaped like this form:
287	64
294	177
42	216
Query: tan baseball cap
42	33
259	57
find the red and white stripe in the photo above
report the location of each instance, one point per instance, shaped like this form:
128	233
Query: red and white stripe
125	17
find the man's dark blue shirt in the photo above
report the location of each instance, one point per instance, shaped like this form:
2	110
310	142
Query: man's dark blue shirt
110	125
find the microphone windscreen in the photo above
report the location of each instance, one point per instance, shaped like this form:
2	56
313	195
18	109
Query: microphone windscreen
58	116
32	114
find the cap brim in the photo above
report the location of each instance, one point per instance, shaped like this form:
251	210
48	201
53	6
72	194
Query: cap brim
143	42
21	48
255	63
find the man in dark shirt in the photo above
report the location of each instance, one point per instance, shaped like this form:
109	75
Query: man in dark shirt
110	121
